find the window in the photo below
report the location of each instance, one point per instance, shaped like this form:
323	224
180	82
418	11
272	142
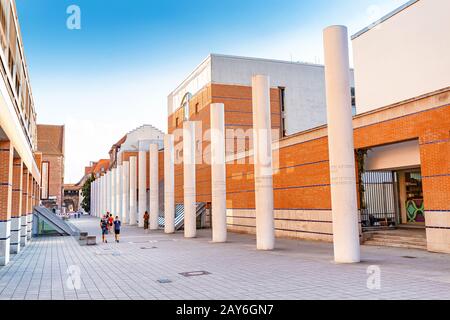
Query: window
282	111
197	106
45	180
177	122
353	97
353	101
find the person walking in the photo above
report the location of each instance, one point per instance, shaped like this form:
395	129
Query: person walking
110	222
104	228
146	219
117	227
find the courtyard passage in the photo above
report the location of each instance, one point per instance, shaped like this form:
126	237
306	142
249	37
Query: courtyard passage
157	266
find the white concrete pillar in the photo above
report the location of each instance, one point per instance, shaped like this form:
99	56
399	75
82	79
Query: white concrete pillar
154	186
108	192
93	199
113	191
125	192
262	131
119	195
341	146
169	184
133	188
99	205
218	173
103	196
190	204
142	201
98	195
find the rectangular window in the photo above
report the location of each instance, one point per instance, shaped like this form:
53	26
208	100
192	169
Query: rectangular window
282	112
45	180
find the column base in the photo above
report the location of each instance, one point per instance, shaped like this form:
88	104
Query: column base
5	242
16	225
23	232
29	226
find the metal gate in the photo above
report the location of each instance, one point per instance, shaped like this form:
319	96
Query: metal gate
379	198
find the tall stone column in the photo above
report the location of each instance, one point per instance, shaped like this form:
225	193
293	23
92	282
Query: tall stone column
262	131
93	211
105	194
190	205
133	188
6	184
142	201
341	146
169	184
97	196
218	173
16	212
113	191
119	195
154	186
23	227
125	192
102	196
108	192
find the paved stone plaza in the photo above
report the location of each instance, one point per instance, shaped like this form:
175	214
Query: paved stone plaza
131	270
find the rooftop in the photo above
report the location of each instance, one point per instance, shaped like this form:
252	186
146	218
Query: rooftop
50	139
384	18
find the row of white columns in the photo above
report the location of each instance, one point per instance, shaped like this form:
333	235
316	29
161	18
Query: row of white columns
118	193
341	154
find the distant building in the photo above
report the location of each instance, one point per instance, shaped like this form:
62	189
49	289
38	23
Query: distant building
51	146
297	93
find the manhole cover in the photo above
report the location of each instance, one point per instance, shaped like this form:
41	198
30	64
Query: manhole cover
163	281
148	248
195	273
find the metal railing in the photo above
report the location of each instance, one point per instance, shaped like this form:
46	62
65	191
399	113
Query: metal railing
179	215
379	199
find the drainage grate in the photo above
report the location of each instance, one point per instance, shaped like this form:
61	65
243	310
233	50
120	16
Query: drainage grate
409	257
195	273
148	248
164	281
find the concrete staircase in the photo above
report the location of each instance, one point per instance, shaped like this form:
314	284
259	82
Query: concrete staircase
399	238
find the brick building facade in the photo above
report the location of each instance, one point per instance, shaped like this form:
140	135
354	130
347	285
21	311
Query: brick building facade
51	146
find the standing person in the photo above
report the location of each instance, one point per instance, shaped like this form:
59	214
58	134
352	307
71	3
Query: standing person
117	227
146	219
110	222
104	227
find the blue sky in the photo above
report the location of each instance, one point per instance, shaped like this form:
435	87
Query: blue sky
115	73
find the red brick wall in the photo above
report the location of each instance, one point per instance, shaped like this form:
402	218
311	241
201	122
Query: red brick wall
56	176
238	116
6	175
25	188
17	189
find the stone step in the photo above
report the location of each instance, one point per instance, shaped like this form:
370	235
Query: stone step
399	234
393	238
395	245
